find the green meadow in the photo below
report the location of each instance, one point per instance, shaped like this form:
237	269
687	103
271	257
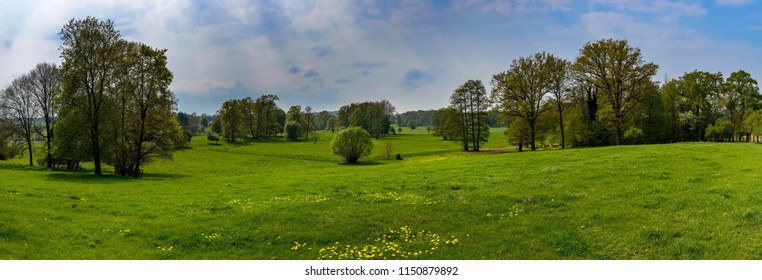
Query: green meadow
295	200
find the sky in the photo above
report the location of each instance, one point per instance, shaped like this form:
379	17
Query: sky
326	53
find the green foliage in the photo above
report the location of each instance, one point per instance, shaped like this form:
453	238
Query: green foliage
412	124
387	150
292	130
211	136
352	144
331	124
519	133
232	119
471	103
721	131
217	126
634	135
521	89
622	90
374	117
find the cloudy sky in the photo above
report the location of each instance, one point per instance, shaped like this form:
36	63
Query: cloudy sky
326	54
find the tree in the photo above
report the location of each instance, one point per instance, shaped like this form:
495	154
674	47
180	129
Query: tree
412	124
269	112
331	124
7	148
753	123
446	123
743	97
618	72
43	84
22	110
671	100
470	101
308	118
521	90
292	130
204	122
217	125
294	116
519	133
559	83
232	119
90	52
211	136
374	117
352	144
634	135
322	119
697	92
151	130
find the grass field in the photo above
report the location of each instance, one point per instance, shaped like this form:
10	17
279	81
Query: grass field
295	200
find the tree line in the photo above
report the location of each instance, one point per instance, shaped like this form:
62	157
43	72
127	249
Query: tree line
108	103
261	118
607	96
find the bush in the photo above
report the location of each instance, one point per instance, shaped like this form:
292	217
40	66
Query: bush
412	124
352	144
211	136
292	130
633	135
314	137
387	150
720	131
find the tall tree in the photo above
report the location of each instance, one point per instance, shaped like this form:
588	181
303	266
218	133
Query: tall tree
521	90
743	97
269	114
232	119
43	84
698	91
471	101
22	109
671	99
558	72
618	71
307	121
153	130
90	52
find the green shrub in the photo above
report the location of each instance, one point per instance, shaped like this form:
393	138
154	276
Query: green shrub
292	130
352	144
633	135
211	136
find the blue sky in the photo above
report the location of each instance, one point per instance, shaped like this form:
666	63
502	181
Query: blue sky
326	53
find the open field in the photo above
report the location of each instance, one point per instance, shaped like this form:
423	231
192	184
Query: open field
286	200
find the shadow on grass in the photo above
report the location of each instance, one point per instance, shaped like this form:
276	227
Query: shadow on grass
162	176
362	163
87	177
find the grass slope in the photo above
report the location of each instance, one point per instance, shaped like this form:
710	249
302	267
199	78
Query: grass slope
295	200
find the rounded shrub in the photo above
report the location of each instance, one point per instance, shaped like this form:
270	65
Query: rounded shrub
352	144
292	130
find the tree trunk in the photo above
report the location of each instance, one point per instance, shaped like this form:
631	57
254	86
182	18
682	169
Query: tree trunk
29	144
561	125
521	145
49	136
96	148
532	135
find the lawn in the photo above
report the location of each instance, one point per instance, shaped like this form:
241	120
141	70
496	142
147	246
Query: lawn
295	200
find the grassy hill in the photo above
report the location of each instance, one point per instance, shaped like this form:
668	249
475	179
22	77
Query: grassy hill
295	200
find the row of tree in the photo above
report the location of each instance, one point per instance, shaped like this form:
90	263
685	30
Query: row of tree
607	96
109	102
374	117
260	118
